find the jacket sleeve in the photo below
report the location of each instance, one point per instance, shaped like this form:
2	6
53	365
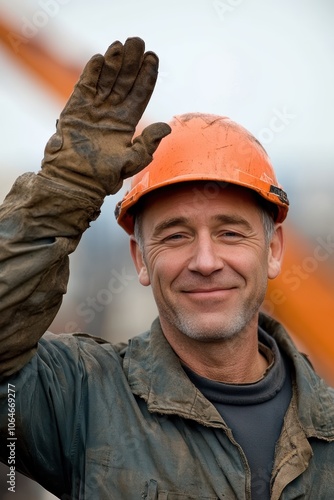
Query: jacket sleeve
41	223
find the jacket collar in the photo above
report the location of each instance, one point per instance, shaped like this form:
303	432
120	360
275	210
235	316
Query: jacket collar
155	374
314	399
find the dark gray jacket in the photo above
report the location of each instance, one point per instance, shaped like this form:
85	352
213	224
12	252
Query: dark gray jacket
96	421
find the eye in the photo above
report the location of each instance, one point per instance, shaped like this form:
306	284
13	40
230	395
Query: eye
175	238
231	236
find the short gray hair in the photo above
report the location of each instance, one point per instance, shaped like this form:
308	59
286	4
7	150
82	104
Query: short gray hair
268	224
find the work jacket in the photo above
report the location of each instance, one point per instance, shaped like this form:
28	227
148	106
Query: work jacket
96	421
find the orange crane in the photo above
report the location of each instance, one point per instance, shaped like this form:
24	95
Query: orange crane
302	298
33	56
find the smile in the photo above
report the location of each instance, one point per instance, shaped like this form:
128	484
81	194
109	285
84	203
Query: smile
203	293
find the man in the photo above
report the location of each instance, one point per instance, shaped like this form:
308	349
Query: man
214	401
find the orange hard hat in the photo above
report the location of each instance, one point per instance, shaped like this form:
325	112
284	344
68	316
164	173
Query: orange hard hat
205	147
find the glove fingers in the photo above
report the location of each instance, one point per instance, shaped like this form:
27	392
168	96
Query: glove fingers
143	87
132	58
90	75
152	135
110	69
140	154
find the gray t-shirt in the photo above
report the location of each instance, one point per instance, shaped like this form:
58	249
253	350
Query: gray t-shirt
254	412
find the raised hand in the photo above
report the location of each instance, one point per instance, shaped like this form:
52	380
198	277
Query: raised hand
93	147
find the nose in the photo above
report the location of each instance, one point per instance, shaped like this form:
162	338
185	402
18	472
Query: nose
205	258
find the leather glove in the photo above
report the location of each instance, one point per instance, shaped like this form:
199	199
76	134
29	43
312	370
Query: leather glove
93	148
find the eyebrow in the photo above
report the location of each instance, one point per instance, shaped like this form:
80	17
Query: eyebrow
233	219
168	223
221	218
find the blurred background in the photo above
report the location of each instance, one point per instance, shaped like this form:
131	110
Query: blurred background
267	64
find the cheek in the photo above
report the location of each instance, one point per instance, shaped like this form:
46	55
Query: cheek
262	268
164	267
251	266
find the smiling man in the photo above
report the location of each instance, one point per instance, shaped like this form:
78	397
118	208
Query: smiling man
214	401
208	271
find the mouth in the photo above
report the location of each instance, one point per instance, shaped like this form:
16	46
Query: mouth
209	293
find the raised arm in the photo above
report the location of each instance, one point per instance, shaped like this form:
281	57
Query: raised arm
44	215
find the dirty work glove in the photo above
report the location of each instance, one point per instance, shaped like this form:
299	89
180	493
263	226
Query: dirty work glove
93	148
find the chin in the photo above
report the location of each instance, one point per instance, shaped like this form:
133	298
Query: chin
210	333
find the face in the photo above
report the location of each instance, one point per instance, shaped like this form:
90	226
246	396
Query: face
206	258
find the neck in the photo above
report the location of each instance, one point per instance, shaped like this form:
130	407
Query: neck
235	361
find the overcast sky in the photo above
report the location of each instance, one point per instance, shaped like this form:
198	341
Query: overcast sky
249	59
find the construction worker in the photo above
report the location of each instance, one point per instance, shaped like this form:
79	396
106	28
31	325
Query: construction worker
215	401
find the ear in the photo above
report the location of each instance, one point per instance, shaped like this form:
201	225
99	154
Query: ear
139	262
275	255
